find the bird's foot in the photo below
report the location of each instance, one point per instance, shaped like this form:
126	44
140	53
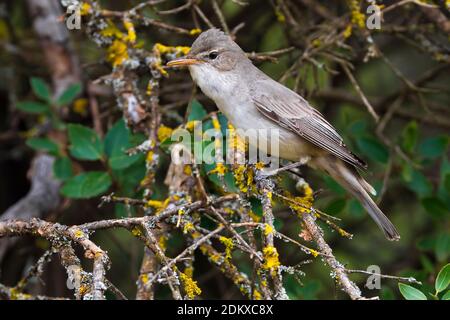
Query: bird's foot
270	173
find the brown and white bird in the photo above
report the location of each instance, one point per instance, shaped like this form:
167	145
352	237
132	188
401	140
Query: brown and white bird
252	100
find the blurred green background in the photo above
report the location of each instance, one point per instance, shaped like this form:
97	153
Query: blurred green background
408	161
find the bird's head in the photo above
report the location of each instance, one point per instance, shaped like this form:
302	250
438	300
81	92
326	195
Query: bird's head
213	48
216	63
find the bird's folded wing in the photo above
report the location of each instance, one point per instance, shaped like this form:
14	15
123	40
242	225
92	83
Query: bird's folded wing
291	111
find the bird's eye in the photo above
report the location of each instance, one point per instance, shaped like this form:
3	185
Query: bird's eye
213	54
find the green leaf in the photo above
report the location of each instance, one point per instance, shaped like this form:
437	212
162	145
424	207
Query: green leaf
387	294
86	185
410	135
333	185
433	147
447	182
116	138
129	178
435	207
411	293
443	279
85	143
417	182
357	128
336	206
43	144
40	89
426	243
117	141
32	107
427	265
373	149
444	183
356	209
69	94
442	246
197	112
446	296
62	168
122	161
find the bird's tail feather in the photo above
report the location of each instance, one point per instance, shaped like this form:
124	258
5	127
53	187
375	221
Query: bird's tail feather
350	179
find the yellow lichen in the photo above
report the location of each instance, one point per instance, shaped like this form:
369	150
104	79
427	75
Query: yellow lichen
154	203
215	122
131	32
316	42
348	31
268	229
164	132
220	169
80	106
236	143
136	232
144	278
280	16
117	53
259	165
79	234
111	31
257	295
195	31
271	261
190	125
178	50
83	289
85	9
188	226
229	211
228	243
149	157
183	50
254	216
190	286
187	170
195	234
313	252
301	204
357	17
180	213
189	271
162	242
239	177
215	258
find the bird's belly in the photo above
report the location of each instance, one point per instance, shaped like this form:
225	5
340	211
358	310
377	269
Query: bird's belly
264	133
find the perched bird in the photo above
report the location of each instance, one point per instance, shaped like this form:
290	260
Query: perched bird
252	100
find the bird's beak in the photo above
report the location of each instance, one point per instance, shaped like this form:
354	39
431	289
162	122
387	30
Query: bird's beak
183	61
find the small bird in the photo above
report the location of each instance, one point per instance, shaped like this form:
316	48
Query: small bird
252	100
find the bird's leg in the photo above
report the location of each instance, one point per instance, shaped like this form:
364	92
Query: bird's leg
268	173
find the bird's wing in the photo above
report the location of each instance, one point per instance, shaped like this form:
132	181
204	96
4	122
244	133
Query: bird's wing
291	111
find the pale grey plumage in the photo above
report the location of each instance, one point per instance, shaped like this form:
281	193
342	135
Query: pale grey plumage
290	110
251	99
